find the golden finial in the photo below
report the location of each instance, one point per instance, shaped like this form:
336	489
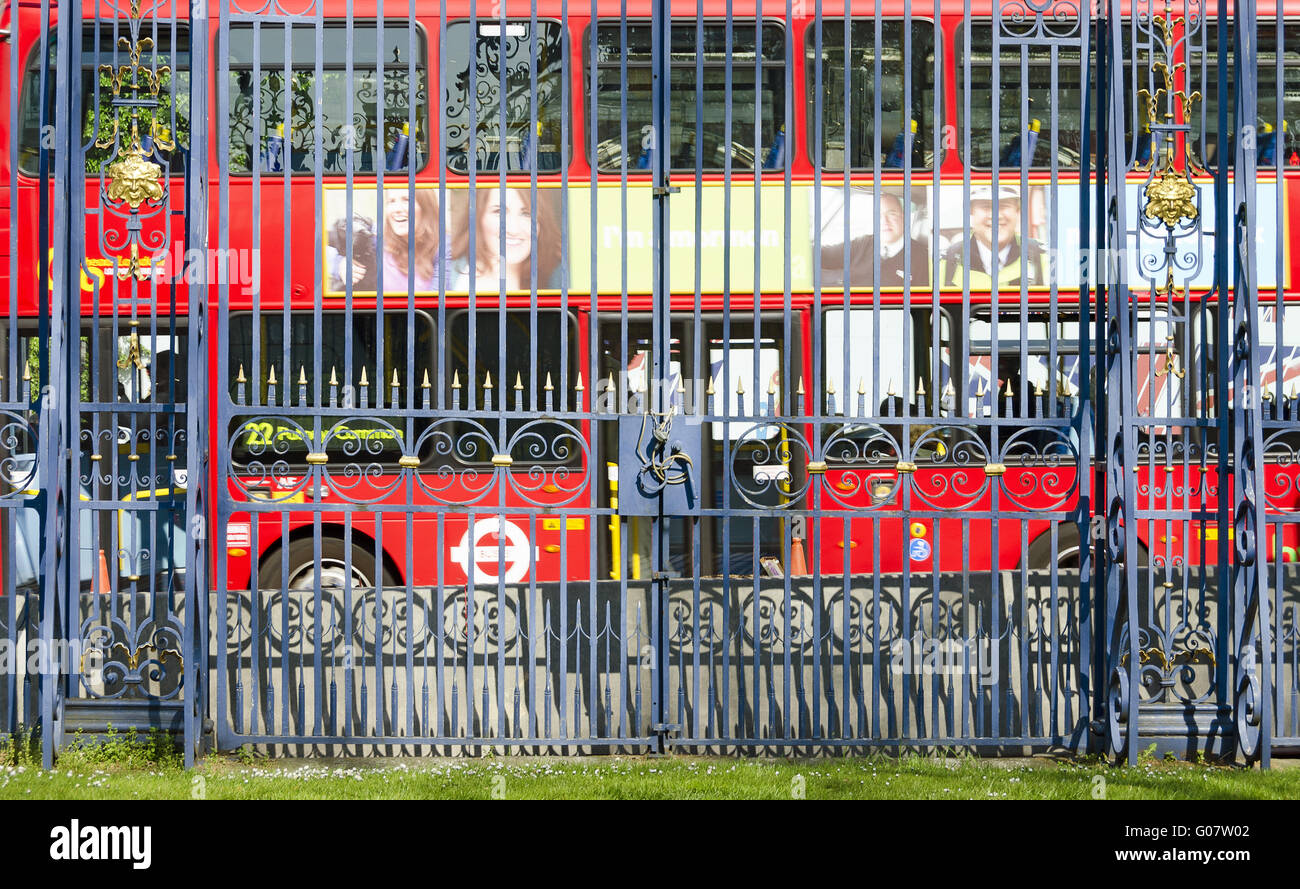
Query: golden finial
487	379
862	385
740	385
800	391
578	386
890	391
396	384
334	377
771	387
610	385
455	379
1008	393
547	387
27	372
425	384
1038	391
519	382
920	387
830	385
302	375
708	390
270	378
365	380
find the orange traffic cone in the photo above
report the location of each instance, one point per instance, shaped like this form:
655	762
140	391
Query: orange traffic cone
798	563
101	576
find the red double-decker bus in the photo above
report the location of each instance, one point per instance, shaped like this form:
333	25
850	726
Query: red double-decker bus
877	238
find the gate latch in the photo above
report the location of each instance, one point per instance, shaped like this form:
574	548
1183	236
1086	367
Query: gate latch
659	458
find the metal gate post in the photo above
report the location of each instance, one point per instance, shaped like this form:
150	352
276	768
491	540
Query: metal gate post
660	398
56	565
1250	603
196	419
1121	627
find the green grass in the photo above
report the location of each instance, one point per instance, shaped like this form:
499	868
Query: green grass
152	771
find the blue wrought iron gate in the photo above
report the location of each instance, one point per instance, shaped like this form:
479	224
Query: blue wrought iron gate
651	376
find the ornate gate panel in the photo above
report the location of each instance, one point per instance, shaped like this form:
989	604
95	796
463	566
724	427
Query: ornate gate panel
130	470
1190	644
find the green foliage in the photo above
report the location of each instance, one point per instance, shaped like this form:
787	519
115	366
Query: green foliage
158	748
22	748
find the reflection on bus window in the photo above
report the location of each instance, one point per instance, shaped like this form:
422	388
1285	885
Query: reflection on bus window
1277	126
699	135
900	111
102	48
274	123
518	78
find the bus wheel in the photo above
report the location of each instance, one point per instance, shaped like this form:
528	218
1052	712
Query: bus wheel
1067	550
334	566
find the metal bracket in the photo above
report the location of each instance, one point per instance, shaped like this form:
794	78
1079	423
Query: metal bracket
659	456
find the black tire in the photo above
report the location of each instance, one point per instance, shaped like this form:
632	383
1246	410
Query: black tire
334	562
1067	549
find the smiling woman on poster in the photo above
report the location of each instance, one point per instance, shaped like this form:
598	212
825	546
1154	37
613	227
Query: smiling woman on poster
515	262
422	227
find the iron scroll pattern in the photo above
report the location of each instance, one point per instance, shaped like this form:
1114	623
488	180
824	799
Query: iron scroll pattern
948	466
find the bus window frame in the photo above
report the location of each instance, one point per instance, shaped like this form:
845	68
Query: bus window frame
506	408
428	150
941	86
242	413
687	21
566	53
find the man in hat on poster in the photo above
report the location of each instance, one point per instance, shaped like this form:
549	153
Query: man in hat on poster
1018	260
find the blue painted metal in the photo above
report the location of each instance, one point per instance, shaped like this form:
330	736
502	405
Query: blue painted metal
685	623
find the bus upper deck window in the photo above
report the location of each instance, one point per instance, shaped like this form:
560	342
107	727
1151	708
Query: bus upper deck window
906	103
702	130
1039	104
100	46
1277	123
517	78
274	124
